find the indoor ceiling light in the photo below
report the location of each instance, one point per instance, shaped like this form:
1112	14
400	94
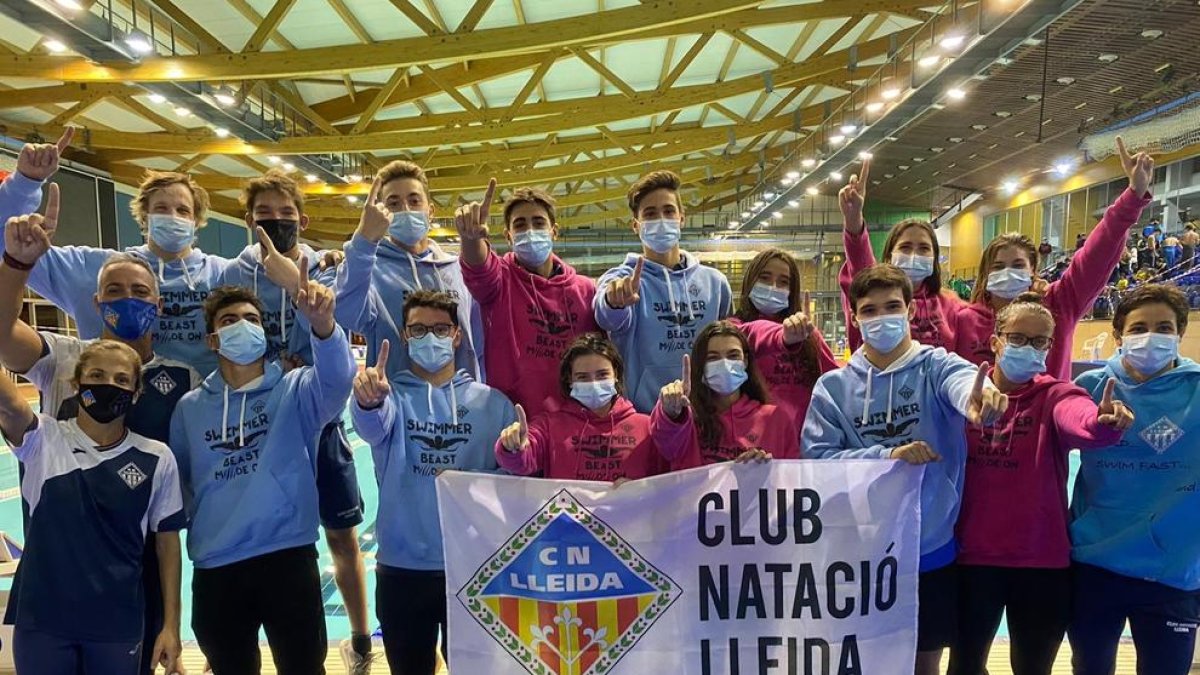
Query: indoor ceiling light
955	139
353	199
182	111
794	203
312	178
808	163
889	175
1033	97
890	93
793	174
953	41
936	150
1065	80
354	178
848	129
813	191
221	132
768	195
734	223
747	214
875	106
979	127
865	155
956	94
72	5
759	204
787	181
778	214
1152	33
224	98
273	159
158	98
54	46
1010	186
836	175
138	42
1063	168
1108	57
929	61
1003	114
289	167
836	139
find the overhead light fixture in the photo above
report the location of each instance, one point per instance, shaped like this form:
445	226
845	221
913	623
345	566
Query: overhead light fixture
54	46
289	167
787	181
1065	81
778	214
138	42
808	163
1034	98
224	98
955	139
747	214
836	175
1064	168
979	127
1152	33
795	203
759	204
355	178
875	106
1010	186
734	223
221	132
72	5
768	195
1003	114
312	178
1108	57
848	129
813	191
353	199
889	175
936	150
273	159
953	41
836	139
956	94
182	111
903	167
929	61
158	98
865	155
793	174
890	93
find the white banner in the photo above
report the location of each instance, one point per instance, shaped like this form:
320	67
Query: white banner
789	567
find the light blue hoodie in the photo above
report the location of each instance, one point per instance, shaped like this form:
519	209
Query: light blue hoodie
923	396
67	277
1136	505
371	287
287	330
653	335
418	431
247	457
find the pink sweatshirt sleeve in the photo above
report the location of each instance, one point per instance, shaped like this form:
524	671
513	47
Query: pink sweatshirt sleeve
765	337
674	440
528	461
825	360
485	282
1072	296
859	256
1075	417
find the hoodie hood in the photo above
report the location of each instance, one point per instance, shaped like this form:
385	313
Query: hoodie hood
215	387
1135	502
287	330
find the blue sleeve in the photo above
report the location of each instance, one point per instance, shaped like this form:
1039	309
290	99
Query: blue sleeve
608	318
374	426
178	443
823	435
18	196
956	377
67	275
1090	382
508	415
325	386
726	297
356	309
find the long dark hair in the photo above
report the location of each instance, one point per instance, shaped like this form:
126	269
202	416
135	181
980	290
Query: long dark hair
807	358
704	406
932	283
590	344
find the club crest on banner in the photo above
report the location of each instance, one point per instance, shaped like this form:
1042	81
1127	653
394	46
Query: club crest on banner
566	595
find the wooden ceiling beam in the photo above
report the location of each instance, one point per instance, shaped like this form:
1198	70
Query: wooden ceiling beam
604	72
58	93
449	89
688	58
534	80
418	17
351	21
380	99
474	16
742	37
269	25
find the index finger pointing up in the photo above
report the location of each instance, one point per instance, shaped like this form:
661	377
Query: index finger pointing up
64	141
51	221
866	172
521	418
1107	399
302	277
1125	158
374	194
980	377
488	196
636	278
807	300
686	379
382	358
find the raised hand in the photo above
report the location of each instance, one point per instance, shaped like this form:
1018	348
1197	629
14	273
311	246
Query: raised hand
39	161
515	436
917	452
754	456
315	302
1112	413
987	404
675	396
280	269
375	219
371	385
798	327
332	258
626	291
1139	168
27	238
471	220
853	197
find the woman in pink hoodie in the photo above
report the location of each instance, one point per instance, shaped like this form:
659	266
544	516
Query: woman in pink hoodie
725	415
1014	550
596	436
912	246
1009	268
789	350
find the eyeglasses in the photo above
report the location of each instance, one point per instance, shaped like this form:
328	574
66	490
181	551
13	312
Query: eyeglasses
1040	343
420	330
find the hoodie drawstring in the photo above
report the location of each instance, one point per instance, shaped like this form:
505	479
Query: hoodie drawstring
241	419
416	277
867	398
283	327
187	275
453	400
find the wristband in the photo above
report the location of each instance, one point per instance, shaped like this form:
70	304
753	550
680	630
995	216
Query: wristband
16	264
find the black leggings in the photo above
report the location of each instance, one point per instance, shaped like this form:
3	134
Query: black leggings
411	608
1039	608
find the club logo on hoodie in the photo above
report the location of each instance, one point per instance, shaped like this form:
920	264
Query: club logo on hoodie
681	320
1161	435
602	455
567	564
552	331
182	316
436	444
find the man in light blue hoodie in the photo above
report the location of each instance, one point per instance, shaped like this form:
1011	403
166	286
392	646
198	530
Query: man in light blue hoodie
425	420
391	256
275	211
1136	509
898	399
655	304
246	445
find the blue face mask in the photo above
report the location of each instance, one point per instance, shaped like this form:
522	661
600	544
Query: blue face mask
169	233
884	333
431	352
724	376
660	235
1149	353
129	318
1022	364
533	247
242	342
768	299
409	227
918	268
594	395
1009	282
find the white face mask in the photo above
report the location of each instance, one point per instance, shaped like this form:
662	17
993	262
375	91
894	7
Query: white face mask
918	268
1149	353
1009	282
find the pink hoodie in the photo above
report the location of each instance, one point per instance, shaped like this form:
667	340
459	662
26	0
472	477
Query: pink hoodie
1014	505
745	426
1069	298
933	321
573	443
528	323
788	379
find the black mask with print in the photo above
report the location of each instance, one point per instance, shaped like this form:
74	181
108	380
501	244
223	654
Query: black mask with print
282	231
104	402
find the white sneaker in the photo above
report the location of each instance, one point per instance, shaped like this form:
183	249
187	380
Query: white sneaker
356	664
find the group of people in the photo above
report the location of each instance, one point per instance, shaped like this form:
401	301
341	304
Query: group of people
208	393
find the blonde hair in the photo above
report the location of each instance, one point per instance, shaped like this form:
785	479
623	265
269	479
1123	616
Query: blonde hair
160	180
274	180
401	168
101	348
1025	304
655	180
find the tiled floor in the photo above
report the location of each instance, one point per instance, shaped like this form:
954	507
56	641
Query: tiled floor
998	665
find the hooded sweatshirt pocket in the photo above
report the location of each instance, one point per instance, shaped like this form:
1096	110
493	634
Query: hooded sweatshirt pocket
1118	539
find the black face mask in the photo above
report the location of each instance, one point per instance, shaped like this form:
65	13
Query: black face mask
283	232
104	402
